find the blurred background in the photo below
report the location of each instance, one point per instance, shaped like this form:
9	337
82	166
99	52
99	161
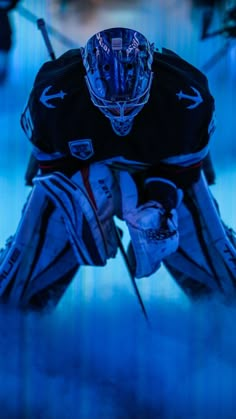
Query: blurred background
95	357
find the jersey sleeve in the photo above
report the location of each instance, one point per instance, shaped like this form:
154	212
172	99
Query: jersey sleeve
198	122
54	80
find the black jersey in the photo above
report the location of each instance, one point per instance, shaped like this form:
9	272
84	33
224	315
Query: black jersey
61	120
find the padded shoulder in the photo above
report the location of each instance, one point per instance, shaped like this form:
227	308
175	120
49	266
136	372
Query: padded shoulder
67	66
63	77
169	62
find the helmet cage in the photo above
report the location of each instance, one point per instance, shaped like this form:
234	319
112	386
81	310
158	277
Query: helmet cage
118	65
120	109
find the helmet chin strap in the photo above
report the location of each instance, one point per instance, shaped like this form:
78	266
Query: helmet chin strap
122	128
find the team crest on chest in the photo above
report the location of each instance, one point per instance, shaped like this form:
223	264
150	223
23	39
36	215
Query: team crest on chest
81	149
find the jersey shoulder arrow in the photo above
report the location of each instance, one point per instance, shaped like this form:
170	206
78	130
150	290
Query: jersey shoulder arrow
45	98
196	99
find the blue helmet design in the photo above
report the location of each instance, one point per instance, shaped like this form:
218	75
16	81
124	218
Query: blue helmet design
118	65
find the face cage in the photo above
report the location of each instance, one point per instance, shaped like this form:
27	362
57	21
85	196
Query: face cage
120	111
122	128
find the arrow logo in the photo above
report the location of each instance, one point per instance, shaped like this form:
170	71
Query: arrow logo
197	99
44	98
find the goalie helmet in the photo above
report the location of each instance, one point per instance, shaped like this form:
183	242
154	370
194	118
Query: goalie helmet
118	74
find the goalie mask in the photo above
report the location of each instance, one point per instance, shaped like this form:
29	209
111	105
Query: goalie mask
118	74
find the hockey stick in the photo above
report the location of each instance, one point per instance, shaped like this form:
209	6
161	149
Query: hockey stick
54	32
32	167
42	27
131	273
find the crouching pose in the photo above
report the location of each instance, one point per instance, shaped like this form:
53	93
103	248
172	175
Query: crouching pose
118	129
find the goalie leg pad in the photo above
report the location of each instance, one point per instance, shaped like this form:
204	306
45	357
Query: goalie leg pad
38	256
86	212
13	255
207	252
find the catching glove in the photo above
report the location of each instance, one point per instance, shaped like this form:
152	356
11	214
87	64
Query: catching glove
153	226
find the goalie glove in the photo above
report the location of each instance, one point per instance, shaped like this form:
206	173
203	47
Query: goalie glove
154	236
153	226
163	191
